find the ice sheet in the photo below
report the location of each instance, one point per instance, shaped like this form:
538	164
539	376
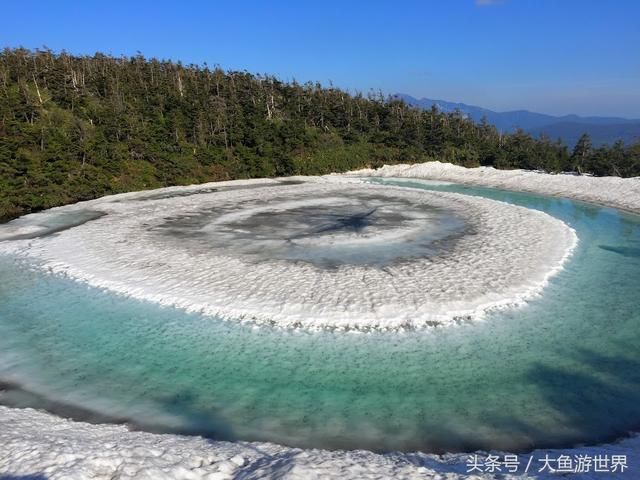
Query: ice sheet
321	253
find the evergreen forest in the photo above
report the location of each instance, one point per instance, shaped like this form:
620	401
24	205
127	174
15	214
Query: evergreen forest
79	127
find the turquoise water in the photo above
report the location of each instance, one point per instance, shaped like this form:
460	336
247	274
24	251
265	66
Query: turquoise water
563	370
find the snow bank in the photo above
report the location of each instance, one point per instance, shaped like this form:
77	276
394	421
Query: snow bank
39	445
315	254
623	193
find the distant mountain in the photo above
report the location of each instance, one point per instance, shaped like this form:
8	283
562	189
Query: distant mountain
603	130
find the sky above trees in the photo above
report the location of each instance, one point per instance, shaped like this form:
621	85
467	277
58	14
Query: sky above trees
557	57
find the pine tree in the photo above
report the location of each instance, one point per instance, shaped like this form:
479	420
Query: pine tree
581	152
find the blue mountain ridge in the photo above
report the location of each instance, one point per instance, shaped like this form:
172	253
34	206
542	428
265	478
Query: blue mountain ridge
602	130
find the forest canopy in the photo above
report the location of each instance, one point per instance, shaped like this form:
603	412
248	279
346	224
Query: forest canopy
79	127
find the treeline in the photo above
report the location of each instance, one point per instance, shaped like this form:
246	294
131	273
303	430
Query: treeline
78	127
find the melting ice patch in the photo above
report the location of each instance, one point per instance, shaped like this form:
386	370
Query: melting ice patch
313	254
328	231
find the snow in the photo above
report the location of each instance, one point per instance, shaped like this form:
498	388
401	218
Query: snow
345	255
622	193
39	445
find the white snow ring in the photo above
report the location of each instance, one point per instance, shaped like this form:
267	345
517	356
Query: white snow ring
243	252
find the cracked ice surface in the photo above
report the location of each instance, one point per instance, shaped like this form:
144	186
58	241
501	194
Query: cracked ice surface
312	253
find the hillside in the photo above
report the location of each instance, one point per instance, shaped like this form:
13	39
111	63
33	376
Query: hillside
79	127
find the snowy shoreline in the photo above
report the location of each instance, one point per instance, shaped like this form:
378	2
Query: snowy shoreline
40	445
616	192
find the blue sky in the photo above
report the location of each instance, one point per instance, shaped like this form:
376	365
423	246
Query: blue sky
552	56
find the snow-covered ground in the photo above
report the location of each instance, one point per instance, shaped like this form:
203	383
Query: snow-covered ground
623	193
345	255
38	445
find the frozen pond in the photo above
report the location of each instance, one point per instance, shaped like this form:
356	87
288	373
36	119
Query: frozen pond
563	369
